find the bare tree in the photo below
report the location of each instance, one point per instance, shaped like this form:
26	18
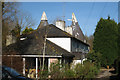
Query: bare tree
14	19
25	20
21	22
9	9
90	41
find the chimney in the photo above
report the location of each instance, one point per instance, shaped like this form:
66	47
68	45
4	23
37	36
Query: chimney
60	24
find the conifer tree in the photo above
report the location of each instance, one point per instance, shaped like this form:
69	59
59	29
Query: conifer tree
105	41
119	39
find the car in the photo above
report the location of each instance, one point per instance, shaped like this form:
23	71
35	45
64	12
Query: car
11	74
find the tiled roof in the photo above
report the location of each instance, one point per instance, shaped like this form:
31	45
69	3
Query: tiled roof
53	31
33	44
77	31
78	55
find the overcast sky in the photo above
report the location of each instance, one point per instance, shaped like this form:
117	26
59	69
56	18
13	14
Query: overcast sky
87	13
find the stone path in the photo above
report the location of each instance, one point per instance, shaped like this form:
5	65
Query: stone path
105	73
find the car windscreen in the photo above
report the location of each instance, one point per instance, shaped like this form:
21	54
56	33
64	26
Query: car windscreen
12	71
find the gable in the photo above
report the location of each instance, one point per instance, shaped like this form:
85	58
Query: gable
64	43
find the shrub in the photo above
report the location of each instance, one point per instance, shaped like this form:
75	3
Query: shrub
95	57
81	71
69	73
64	71
43	74
56	71
87	70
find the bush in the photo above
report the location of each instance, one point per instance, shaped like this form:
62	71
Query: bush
87	70
95	57
64	71
56	71
81	71
27	30
43	74
69	73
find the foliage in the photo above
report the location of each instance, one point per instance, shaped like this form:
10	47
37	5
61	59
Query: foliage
81	71
16	31
119	39
56	71
94	58
119	48
67	71
87	70
43	74
117	61
105	40
27	30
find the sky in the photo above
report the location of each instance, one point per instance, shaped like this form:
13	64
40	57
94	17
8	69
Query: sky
87	13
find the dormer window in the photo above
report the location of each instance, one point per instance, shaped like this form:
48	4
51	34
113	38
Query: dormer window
85	41
77	33
22	39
